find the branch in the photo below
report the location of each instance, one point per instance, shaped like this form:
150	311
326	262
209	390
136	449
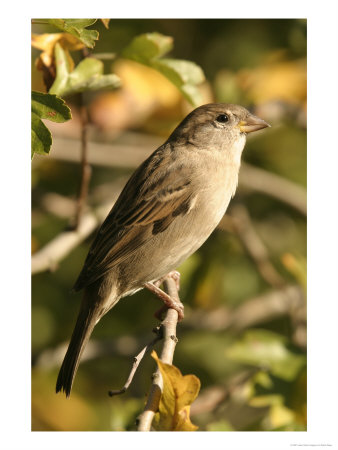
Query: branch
138	148
273	185
137	359
85	167
254	245
169	324
260	309
58	248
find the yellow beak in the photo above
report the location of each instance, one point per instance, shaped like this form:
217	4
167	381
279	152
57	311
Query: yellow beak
252	123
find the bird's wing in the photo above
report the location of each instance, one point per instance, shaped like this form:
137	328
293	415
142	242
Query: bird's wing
158	192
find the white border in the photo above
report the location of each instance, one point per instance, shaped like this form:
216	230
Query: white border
322	231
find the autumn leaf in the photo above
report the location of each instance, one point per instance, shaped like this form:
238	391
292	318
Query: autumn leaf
105	22
46	61
179	391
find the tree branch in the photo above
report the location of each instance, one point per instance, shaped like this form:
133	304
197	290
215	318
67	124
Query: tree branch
243	227
169	334
137	359
58	248
85	167
273	185
139	147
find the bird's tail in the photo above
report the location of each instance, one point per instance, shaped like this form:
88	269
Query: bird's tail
85	323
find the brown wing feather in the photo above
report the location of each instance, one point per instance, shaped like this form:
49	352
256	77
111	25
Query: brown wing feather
156	193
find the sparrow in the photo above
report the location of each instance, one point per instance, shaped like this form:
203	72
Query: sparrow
166	211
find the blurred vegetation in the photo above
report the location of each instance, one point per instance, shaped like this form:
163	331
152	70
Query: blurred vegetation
244	335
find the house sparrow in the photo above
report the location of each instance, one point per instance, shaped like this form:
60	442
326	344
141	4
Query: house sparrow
167	209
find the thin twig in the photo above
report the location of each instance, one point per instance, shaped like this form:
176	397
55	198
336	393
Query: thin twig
255	246
169	343
273	185
85	167
136	362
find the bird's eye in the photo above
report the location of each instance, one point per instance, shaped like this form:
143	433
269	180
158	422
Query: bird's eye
222	118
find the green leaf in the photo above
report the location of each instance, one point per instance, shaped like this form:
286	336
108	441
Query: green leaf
221	425
51	107
77	27
87	76
46	106
148	48
264	348
41	137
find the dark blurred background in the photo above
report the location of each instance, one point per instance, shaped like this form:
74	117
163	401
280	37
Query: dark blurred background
244	334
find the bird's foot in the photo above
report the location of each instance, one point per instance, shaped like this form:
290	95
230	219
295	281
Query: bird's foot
174	274
169	301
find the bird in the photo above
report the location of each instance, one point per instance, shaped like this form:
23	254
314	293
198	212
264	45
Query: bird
166	211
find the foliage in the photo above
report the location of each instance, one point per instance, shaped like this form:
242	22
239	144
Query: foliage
63	79
87	76
46	106
178	393
253	374
266	349
149	48
77	28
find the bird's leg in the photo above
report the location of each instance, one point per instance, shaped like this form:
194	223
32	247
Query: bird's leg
169	301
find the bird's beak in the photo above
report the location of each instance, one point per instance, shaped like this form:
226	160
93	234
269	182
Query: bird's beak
252	123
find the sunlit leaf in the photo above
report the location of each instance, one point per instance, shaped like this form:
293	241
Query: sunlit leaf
88	75
266	349
105	22
221	425
147	47
46	61
297	267
282	80
77	27
179	391
46	106
51	107
185	75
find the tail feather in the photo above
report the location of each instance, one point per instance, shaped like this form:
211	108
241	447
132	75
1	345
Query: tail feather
84	326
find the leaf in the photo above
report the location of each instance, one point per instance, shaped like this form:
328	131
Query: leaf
87	76
46	61
178	393
296	265
221	425
77	27
105	22
183	74
264	348
148	49
50	107
41	137
46	106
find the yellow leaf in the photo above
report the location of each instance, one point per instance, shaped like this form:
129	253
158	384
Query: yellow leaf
179	391
46	61
105	22
281	80
296	265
